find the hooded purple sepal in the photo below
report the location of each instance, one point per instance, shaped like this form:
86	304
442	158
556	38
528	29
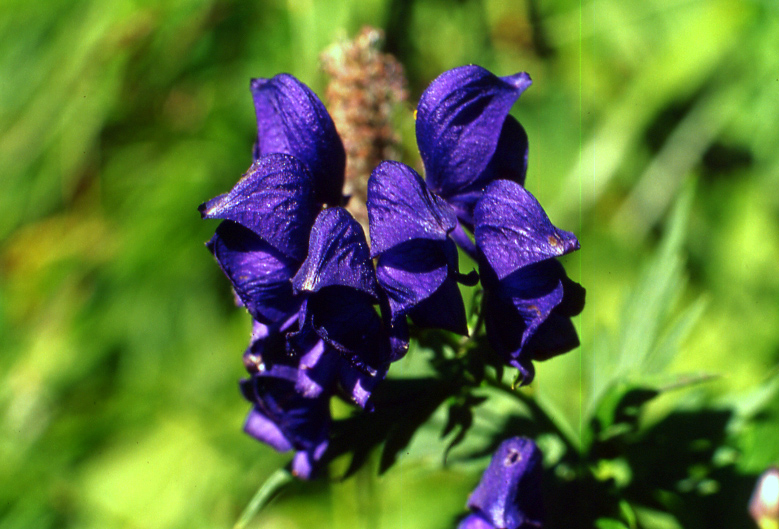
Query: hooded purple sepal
338	255
259	273
512	230
275	200
509	493
467	138
418	263
286	420
402	209
291	119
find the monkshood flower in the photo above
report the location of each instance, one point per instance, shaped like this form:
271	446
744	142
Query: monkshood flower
467	138
509	493
528	300
285	420
341	338
264	237
292	120
417	264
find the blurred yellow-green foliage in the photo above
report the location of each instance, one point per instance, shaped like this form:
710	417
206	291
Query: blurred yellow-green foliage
120	342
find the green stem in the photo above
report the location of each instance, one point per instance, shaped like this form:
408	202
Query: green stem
264	495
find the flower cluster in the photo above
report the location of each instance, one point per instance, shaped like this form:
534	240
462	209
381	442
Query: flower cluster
301	265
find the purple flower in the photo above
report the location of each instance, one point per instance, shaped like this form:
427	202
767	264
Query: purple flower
417	261
341	337
529	300
509	493
467	138
264	237
285	420
292	120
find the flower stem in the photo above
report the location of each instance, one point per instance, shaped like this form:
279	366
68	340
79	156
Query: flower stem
264	495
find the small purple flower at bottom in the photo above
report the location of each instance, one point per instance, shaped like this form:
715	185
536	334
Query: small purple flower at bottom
286	420
509	493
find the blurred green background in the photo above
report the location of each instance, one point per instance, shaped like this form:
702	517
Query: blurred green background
121	345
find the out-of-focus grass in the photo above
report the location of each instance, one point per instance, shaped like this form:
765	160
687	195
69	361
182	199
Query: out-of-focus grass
121	346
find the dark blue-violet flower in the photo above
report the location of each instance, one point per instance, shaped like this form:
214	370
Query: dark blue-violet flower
292	120
529	300
264	237
341	338
417	261
285	420
509	493
467	138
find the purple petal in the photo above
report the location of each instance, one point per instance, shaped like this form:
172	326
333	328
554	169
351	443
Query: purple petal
346	320
317	372
275	200
359	384
508	163
259	273
517	307
283	419
419	279
509	494
443	310
506	332
573	299
461	118
292	120
513	231
397	330
555	336
305	462
409	273
303	422
474	521
322	366
266	431
401	209
337	255
267	346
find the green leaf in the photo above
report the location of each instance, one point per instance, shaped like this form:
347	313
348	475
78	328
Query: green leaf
654	519
618	411
648	339
609	523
